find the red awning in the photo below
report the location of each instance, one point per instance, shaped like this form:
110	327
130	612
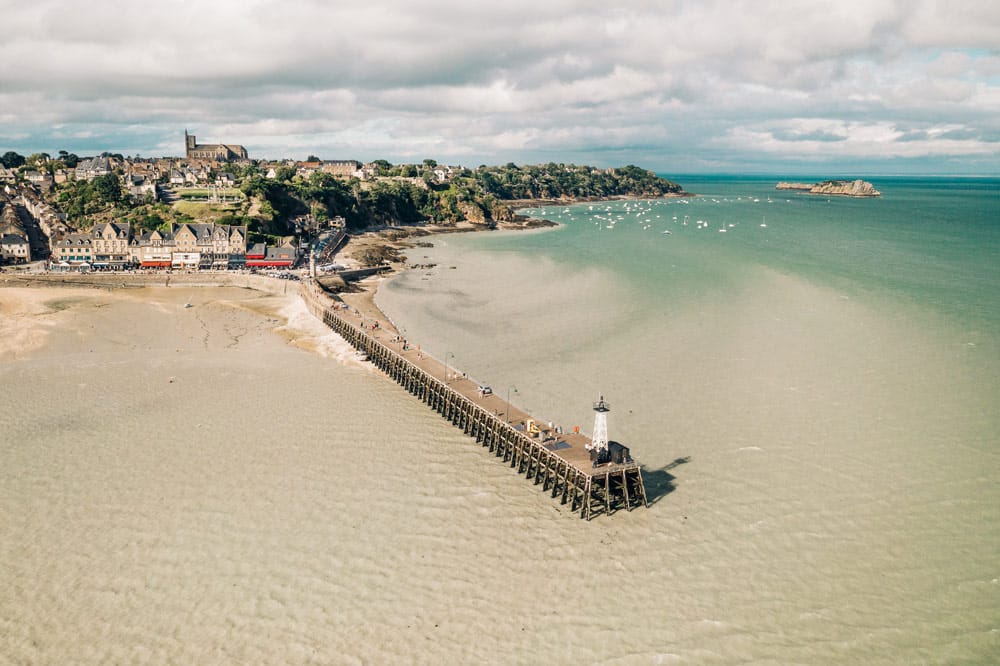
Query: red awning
268	264
156	264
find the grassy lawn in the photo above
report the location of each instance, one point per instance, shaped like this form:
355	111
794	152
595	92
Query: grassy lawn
201	210
204	193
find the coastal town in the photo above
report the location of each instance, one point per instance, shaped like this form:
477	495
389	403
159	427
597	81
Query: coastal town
592	476
34	230
216	208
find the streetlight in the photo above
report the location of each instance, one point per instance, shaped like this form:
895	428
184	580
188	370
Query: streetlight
509	388
447	370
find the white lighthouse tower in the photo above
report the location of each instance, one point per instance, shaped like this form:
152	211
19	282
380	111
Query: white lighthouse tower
599	442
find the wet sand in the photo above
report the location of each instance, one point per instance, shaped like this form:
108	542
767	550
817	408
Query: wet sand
223	484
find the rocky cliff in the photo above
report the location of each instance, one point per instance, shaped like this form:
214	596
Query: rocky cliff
840	188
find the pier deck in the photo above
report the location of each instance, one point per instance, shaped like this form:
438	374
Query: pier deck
558	461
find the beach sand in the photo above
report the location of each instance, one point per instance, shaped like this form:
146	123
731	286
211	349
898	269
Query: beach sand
223	484
198	485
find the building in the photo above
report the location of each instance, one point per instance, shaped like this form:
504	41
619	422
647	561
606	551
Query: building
213	152
39	179
341	168
90	169
192	245
110	247
139	186
271	257
15	249
73	250
153	249
14	245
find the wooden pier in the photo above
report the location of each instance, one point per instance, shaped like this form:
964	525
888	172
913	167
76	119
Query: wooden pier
559	462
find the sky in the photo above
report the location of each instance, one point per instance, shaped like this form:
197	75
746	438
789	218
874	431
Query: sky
833	88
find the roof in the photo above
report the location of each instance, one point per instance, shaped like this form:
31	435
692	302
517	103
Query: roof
120	230
75	239
284	252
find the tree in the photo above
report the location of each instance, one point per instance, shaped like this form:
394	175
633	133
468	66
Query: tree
284	174
430	164
70	160
108	189
313	158
12	160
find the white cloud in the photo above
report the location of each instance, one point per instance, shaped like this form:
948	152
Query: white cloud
718	81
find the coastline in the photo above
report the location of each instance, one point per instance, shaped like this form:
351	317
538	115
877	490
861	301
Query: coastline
568	201
401	238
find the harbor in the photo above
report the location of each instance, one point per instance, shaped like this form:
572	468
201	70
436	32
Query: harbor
590	476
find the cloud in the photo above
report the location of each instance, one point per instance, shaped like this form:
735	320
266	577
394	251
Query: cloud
663	83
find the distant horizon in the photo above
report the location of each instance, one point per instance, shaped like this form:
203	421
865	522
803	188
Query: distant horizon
775	170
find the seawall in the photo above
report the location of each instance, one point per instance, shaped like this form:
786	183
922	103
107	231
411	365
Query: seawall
140	280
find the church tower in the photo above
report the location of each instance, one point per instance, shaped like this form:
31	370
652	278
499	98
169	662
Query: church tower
189	144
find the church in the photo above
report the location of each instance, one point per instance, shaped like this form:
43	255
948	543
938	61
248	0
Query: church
215	152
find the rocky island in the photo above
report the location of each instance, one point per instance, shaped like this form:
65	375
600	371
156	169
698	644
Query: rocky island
840	188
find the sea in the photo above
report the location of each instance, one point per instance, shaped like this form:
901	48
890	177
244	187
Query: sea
811	385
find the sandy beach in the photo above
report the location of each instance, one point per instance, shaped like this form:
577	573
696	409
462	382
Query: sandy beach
199	485
224	483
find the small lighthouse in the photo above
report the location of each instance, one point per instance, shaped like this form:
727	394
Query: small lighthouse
599	442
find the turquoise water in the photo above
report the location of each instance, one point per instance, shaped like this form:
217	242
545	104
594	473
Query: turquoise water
815	402
929	242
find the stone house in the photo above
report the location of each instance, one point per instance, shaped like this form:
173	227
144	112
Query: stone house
306	169
73	249
225	179
152	249
14	248
39	179
90	169
341	168
110	246
217	245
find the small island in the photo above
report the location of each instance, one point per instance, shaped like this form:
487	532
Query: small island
840	188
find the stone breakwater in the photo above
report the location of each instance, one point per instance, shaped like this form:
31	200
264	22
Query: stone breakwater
840	188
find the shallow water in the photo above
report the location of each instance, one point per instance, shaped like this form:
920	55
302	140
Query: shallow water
188	485
836	417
